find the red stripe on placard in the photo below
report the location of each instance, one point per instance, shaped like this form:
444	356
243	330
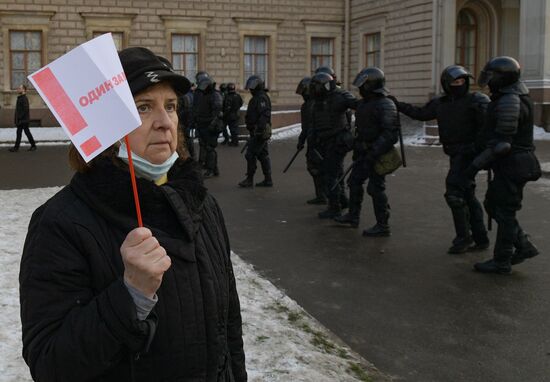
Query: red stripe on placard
60	101
90	146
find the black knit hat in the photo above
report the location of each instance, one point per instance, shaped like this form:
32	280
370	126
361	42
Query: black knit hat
143	69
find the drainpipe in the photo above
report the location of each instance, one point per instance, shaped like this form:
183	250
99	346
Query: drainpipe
347	27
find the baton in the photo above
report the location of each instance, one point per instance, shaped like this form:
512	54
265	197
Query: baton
343	176
401	140
245	146
318	154
489	217
292	160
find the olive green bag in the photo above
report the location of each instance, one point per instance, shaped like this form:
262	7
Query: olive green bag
388	162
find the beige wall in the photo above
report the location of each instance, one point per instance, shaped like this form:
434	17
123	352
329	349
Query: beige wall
406	32
221	25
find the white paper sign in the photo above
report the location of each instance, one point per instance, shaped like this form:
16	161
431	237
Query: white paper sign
87	91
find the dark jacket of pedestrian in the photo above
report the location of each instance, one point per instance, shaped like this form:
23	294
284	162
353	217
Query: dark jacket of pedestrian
22	114
232	103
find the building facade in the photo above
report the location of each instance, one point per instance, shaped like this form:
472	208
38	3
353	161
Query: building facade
284	40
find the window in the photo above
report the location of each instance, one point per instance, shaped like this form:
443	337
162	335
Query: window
185	54
466	40
25	55
256	57
118	38
322	52
372	49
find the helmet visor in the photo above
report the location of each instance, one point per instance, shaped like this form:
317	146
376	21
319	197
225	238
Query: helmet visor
485	77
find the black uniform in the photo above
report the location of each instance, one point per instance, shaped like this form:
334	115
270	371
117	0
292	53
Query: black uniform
22	119
231	105
314	161
208	122
460	120
258	123
377	130
185	115
332	139
510	120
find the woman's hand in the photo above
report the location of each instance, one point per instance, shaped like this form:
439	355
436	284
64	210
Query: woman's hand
145	261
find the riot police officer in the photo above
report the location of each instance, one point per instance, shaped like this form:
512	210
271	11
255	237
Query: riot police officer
313	160
208	121
377	129
510	154
331	135
460	116
185	116
223	92
232	103
258	123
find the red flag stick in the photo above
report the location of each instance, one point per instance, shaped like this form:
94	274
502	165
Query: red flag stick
134	185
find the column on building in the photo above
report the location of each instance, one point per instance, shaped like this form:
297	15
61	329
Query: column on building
534	55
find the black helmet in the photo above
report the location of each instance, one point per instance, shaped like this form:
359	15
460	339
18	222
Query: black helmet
321	84
326	69
303	86
254	82
223	87
231	87
201	75
370	80
205	83
500	72
452	73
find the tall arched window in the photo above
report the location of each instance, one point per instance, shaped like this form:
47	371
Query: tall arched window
466	40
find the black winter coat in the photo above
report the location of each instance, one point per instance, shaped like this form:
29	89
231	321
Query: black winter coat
22	113
79	321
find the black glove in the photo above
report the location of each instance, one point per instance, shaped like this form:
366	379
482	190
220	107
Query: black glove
467	178
300	146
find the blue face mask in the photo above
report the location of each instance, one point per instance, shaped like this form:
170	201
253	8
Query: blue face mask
146	169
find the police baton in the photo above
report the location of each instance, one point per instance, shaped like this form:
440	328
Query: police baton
489	217
341	178
245	146
292	160
318	154
400	132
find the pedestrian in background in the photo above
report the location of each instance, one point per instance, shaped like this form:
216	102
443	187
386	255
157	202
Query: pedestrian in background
22	119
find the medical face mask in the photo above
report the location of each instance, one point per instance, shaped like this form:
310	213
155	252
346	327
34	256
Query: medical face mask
144	168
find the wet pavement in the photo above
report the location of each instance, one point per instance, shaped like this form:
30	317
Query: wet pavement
401	302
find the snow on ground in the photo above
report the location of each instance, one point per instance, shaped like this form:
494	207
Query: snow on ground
282	342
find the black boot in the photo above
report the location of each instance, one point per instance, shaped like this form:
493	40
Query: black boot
491	266
14	149
382	214
378	230
330	213
461	220
524	249
248	182
355	201
350	218
320	197
460	245
267	182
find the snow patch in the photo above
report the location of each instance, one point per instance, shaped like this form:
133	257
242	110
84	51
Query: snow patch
282	342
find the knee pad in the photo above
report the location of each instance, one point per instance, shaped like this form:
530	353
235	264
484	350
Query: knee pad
455	201
373	191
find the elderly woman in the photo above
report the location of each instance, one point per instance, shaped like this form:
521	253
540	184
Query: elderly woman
102	300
